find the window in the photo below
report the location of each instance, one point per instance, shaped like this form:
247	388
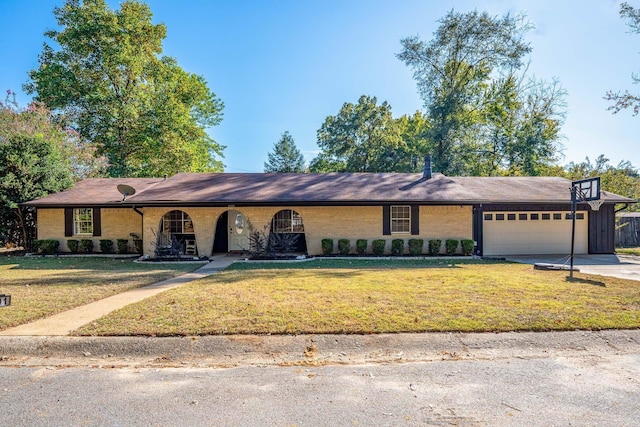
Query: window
511	217
546	217
287	221
488	217
177	222
400	219
499	217
535	217
568	216
557	216
83	221
580	215
522	217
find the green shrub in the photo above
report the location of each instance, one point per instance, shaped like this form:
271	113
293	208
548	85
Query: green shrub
327	246
434	246
123	246
415	246
137	244
106	246
467	246
451	246
377	246
46	246
86	245
397	246
72	244
344	246
361	246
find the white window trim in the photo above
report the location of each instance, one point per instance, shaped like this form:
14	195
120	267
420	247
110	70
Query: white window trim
77	222
391	219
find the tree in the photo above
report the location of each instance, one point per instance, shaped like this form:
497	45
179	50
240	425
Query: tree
33	163
627	100
146	115
362	137
286	157
453	70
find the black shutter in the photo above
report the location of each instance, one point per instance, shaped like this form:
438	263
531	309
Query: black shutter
415	220
386	220
68	222
97	222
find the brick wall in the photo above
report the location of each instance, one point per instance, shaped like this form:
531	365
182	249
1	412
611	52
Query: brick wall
349	222
117	223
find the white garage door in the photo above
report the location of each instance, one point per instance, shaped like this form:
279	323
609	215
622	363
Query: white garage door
531	233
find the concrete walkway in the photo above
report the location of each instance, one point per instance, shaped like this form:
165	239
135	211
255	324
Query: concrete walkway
64	323
620	266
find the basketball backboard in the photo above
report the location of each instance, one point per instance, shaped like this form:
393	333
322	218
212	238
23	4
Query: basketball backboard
586	189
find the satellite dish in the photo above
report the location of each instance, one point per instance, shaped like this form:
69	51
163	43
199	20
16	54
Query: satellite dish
126	190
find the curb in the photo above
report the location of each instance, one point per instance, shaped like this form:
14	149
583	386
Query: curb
316	349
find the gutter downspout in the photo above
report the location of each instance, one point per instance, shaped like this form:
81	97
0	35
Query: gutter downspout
139	212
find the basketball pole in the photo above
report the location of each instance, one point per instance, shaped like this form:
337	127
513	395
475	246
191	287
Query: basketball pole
574	202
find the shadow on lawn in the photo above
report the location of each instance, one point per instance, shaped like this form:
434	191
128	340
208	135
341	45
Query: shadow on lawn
586	281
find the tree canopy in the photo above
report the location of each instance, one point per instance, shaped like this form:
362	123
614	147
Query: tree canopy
108	80
627	100
34	162
362	137
286	157
486	117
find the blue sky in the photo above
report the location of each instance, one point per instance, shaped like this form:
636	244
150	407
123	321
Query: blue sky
285	65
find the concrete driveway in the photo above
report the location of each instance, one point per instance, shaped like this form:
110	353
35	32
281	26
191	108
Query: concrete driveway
622	266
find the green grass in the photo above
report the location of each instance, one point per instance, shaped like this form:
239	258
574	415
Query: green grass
356	263
41	286
307	298
628	251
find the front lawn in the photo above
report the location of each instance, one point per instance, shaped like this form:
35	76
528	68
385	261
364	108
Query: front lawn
309	298
40	286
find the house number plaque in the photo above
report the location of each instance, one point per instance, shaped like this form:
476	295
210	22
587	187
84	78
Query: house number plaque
5	300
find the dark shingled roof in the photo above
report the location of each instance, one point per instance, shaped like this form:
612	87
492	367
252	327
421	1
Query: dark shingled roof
329	188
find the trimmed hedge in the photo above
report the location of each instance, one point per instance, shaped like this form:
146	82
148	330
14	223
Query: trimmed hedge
377	246
46	246
327	246
137	244
344	246
361	246
415	246
106	246
72	244
123	246
467	246
397	246
434	246
451	246
86	245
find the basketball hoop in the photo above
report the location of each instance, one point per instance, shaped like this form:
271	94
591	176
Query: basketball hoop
595	204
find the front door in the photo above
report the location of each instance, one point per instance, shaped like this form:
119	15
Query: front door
238	233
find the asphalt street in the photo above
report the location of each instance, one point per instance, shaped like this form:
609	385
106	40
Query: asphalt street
582	378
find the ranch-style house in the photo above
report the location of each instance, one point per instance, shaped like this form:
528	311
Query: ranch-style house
213	212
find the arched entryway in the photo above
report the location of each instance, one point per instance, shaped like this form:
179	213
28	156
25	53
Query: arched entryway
232	234
176	234
288	222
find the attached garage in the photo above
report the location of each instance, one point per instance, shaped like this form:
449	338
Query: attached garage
533	232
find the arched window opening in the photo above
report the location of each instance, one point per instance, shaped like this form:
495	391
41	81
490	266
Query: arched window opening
287	231
176	236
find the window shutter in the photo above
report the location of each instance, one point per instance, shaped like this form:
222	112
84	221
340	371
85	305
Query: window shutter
386	220
68	222
97	223
415	220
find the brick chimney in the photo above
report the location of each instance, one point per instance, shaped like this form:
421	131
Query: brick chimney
427	173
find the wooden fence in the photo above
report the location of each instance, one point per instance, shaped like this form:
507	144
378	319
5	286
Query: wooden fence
628	230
